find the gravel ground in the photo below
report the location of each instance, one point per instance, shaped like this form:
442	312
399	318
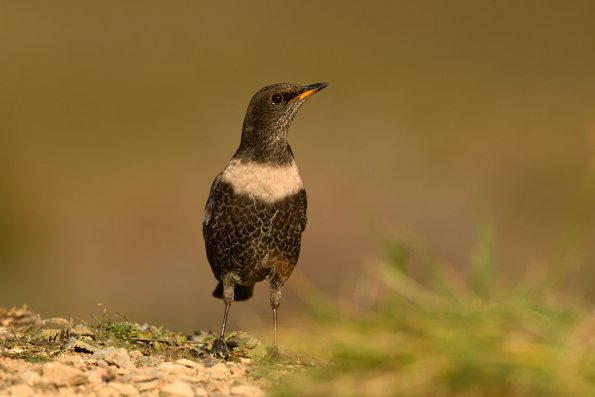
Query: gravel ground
124	373
56	357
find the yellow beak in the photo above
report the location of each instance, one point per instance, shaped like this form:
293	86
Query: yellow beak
309	90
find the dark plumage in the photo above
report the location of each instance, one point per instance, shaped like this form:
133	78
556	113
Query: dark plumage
256	211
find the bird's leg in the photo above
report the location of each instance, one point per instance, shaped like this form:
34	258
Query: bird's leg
275	301
220	348
222	334
275	329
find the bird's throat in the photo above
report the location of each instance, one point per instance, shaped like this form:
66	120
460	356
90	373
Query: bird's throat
262	147
266	182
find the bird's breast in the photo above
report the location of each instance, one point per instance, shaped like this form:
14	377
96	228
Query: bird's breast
267	182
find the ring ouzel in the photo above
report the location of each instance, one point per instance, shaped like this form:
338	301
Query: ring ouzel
256	211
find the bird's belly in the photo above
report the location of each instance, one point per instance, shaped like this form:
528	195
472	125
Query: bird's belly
264	241
254	238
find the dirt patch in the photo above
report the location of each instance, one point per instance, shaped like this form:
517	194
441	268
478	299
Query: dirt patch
117	358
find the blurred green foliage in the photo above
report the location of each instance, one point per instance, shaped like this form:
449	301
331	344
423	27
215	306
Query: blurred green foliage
446	337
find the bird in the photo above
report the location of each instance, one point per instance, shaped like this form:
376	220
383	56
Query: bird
256	210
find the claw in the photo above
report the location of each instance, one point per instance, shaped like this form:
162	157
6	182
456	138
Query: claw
273	354
220	349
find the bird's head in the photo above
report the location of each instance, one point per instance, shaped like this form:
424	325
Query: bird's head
271	112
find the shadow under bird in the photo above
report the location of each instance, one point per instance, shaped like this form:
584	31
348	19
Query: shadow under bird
256	211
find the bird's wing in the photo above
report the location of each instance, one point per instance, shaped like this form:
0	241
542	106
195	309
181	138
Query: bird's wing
208	214
303	207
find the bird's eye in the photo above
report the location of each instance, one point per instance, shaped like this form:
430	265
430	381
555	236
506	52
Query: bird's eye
277	99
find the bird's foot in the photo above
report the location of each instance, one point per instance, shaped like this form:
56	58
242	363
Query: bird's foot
220	349
273	353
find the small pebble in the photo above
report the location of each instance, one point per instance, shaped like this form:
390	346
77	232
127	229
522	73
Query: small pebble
149	385
120	358
173	368
62	375
30	378
123	389
200	392
247	391
190	364
237	371
21	391
219	371
178	389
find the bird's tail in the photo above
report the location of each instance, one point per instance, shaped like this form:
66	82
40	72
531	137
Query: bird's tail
240	292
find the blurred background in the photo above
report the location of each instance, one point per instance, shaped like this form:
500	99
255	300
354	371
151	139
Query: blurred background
116	116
